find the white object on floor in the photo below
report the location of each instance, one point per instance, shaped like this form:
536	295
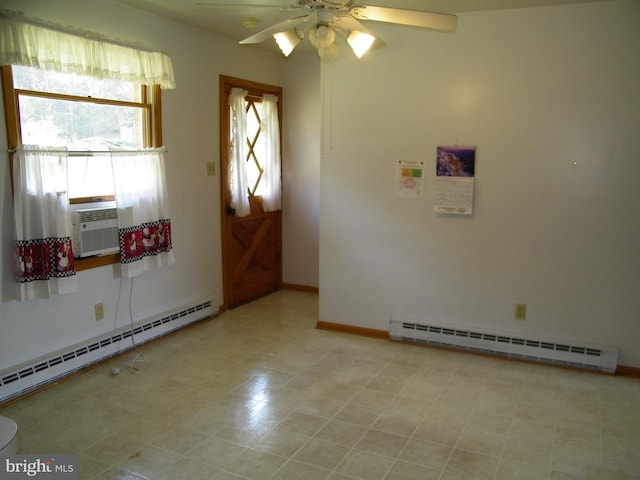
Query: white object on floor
8	436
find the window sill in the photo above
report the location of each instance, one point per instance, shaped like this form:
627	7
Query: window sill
95	262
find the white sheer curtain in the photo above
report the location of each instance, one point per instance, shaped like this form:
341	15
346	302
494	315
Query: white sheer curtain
144	220
238	163
43	251
272	196
31	42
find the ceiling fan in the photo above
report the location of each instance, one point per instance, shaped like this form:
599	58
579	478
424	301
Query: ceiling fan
324	20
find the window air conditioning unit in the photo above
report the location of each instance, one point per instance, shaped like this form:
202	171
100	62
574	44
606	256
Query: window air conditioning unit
95	231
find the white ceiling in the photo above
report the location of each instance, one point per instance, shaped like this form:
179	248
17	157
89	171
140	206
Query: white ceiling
224	17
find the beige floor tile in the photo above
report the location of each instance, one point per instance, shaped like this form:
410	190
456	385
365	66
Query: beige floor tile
339	476
353	376
545	413
454	414
480	441
428	454
512	469
472	466
89	467
494	404
438	432
245	432
336	391
216	451
410	471
293	470
622	454
302	423
396	422
387	385
463	395
321	454
577	453
278	441
179	440
116	473
255	465
320	406
149	461
358	414
112	449
529	443
304	384
417	409
365	466
585	420
189	469
373	399
381	443
342	433
537	392
398	371
569	439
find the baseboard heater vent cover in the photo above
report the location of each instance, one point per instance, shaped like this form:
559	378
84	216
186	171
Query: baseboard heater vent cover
558	352
27	377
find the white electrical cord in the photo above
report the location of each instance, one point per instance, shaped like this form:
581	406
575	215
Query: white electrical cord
130	364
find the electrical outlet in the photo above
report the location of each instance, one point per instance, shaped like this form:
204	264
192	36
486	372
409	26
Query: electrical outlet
99	309
521	311
211	169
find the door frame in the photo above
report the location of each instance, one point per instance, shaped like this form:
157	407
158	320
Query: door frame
255	89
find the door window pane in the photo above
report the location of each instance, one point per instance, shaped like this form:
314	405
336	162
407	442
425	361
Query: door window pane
255	141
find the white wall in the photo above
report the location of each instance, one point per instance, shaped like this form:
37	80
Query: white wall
191	131
550	98
301	169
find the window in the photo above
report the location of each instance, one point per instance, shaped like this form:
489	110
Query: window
255	145
88	116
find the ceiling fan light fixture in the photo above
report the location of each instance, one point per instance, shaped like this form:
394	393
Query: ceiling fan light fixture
360	42
322	36
329	54
287	41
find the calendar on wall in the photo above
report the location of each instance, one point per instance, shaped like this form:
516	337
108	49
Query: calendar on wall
455	180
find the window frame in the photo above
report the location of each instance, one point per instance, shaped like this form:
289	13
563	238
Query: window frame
150	101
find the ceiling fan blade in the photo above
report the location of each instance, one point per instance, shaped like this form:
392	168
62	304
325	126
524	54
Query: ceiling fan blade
415	18
278	27
243	5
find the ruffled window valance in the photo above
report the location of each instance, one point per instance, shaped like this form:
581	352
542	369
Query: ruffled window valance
35	43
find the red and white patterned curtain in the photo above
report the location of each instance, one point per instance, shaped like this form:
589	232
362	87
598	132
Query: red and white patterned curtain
144	221
43	253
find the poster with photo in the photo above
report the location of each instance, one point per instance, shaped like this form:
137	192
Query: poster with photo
455	179
409	178
456	161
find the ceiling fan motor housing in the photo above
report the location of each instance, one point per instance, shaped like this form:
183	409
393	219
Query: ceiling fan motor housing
322	35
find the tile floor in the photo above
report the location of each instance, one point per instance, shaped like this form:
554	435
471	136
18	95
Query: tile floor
259	394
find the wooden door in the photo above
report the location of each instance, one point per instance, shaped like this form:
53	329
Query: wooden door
251	245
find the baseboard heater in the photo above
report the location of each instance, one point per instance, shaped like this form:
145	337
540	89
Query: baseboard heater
558	352
27	377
